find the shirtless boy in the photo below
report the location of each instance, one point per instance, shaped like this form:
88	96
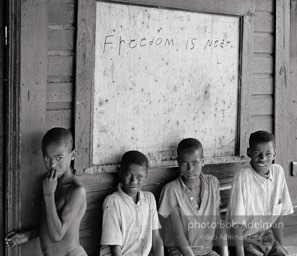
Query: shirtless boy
64	200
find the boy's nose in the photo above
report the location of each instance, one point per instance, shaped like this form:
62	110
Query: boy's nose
133	180
53	164
261	156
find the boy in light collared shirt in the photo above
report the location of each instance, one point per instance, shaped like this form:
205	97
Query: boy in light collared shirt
190	206
130	220
259	197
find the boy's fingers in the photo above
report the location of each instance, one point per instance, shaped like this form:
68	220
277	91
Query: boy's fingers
10	234
55	174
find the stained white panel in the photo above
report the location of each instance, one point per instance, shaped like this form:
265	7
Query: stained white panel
162	75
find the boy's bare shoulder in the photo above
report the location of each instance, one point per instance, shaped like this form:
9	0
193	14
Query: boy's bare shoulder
76	189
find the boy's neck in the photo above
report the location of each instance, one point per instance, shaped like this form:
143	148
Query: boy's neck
66	178
135	197
192	184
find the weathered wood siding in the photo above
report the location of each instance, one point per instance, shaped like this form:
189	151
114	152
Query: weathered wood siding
291	150
48	33
60	63
261	104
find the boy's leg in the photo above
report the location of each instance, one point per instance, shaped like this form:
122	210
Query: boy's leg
77	252
277	250
253	246
212	253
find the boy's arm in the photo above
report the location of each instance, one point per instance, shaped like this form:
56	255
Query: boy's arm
58	227
178	233
15	238
115	250
221	236
277	229
158	248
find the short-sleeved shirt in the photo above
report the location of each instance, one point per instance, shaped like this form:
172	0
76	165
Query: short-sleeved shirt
129	224
198	220
256	201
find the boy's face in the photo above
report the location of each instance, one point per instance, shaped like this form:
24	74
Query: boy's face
58	156
190	164
132	179
262	156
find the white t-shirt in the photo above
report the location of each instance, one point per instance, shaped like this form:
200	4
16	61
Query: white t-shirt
128	224
256	202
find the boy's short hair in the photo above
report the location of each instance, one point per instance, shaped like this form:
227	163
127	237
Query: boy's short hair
189	144
133	157
260	137
57	135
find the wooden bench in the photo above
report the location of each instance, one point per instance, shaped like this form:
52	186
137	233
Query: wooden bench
98	186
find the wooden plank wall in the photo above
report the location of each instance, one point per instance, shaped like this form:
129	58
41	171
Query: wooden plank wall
98	186
291	152
61	60
261	105
2	173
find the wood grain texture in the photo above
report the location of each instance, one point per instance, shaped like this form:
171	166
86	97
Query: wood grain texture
292	103
262	123
85	64
60	118
60	65
265	5
33	78
246	71
263	43
281	76
262	65
232	7
264	22
261	105
2	120
61	13
262	84
61	39
59	92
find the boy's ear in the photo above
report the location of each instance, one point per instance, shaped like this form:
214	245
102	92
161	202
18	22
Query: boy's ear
203	161
249	152
73	153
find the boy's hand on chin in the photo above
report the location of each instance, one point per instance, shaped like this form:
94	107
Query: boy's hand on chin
50	183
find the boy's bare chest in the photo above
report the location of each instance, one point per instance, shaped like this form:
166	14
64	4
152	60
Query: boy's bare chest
61	197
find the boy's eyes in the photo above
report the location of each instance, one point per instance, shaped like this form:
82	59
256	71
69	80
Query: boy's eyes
195	163
45	158
256	153
138	177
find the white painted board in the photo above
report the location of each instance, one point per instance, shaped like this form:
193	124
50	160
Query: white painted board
162	75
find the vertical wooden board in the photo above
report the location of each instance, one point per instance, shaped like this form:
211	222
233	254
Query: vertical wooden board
33	79
281	76
292	102
246	72
85	62
2	173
